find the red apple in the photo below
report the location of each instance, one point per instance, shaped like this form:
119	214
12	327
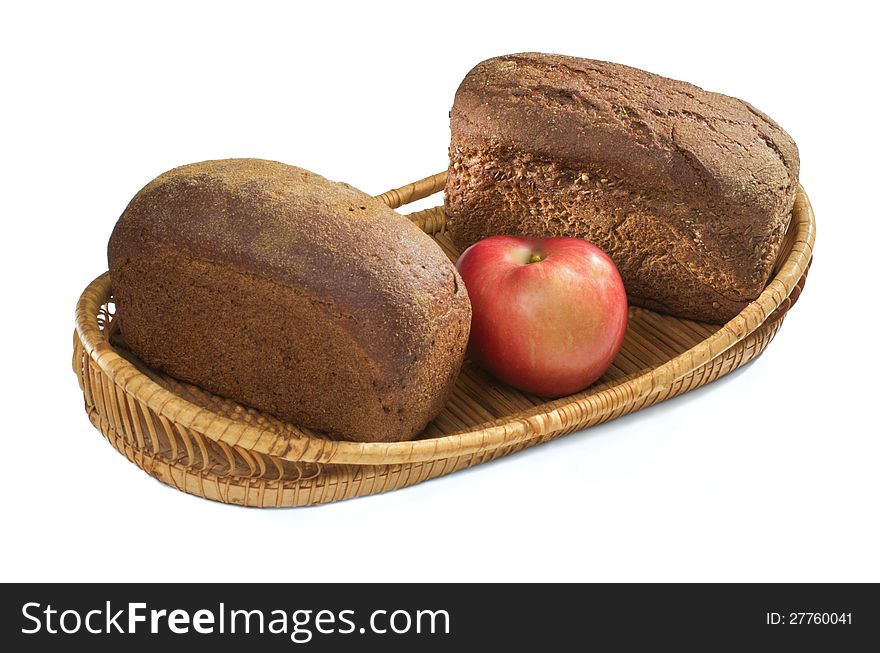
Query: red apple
549	314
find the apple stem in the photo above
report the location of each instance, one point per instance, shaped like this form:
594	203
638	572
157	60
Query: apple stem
535	258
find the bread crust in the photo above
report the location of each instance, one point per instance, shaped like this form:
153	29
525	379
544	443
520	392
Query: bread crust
689	191
275	287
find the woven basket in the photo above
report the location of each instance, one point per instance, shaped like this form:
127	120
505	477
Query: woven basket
215	448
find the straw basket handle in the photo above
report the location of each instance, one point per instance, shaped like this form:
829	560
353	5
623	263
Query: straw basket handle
769	305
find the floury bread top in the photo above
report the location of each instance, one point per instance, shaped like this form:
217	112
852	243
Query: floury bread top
689	191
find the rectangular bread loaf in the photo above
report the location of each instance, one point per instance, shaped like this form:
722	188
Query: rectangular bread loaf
302	297
689	191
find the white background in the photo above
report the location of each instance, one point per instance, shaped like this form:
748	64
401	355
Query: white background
770	474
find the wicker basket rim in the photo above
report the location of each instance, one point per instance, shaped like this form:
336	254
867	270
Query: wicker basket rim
516	428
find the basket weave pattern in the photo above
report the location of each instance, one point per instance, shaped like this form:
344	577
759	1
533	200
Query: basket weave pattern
215	448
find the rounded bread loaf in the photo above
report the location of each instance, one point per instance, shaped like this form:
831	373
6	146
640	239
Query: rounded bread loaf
301	297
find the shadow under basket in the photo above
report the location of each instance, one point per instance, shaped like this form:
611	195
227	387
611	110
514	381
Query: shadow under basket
215	448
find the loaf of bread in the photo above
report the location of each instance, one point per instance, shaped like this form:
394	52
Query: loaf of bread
305	298
689	191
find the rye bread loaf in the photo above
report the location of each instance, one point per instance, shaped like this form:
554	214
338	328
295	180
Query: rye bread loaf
689	191
302	297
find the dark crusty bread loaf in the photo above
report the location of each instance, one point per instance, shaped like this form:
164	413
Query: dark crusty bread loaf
689	191
302	297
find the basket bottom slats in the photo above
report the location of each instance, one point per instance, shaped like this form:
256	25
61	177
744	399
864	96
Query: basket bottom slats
246	478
